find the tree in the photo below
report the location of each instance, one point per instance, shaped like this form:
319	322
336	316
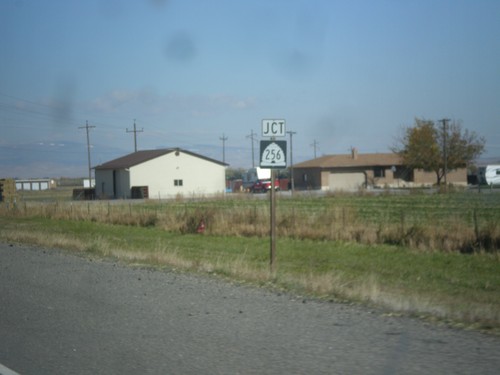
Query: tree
440	149
235	173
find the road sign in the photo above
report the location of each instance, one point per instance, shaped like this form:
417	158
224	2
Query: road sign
273	154
273	128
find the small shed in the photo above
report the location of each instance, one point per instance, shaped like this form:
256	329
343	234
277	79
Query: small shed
162	173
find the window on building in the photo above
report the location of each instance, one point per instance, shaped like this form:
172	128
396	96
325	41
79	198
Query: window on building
177	182
379	172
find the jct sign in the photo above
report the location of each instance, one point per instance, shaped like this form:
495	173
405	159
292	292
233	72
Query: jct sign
273	128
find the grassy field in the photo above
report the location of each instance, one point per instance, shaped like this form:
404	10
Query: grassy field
465	222
361	248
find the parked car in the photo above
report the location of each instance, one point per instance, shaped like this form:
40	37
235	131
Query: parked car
263	186
258	180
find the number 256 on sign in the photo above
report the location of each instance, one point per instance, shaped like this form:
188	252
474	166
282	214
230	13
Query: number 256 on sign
273	154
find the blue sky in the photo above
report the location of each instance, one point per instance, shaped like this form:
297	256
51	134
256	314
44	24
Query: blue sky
342	73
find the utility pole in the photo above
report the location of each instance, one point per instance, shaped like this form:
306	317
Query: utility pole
315	144
291	159
88	127
251	136
135	131
445	152
223	139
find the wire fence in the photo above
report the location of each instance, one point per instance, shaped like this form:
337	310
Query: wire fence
455	222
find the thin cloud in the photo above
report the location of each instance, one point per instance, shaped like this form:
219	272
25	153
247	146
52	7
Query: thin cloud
148	102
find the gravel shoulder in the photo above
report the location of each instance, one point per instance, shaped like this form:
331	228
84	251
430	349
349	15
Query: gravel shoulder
62	313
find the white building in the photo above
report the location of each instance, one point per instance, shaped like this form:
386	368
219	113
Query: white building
164	173
35	184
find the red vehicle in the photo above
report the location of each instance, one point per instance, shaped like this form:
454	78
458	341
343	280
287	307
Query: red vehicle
263	186
258	180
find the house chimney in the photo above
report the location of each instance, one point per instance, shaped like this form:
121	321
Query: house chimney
354	153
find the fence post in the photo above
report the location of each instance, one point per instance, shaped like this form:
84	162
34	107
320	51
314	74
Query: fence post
476	227
255	220
343	218
332	222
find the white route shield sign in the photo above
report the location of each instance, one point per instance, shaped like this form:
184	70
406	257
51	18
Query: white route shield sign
273	154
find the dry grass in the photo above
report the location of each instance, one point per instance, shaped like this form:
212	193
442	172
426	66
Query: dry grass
459	231
450	287
446	264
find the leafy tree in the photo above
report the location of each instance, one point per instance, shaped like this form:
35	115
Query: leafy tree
440	149
235	173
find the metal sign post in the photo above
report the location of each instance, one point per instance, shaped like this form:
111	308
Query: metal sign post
273	156
272	255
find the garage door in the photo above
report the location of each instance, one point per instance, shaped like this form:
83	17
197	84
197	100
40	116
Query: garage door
347	181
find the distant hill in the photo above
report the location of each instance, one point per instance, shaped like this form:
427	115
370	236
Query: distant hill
482	162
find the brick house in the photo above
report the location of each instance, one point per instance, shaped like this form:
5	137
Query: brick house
354	171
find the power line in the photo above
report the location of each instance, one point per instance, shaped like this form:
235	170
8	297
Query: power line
24	107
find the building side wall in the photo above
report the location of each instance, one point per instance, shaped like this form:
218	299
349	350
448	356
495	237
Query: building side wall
401	177
122	181
104	184
346	181
386	180
456	177
35	184
422	177
397	177
178	173
307	178
325	180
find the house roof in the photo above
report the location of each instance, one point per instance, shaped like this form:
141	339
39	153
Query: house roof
142	156
350	160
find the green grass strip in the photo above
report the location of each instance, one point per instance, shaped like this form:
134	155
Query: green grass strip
455	287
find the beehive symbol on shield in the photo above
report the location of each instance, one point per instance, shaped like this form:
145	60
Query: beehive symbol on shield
273	154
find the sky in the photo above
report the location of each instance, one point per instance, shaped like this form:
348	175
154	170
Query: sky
202	75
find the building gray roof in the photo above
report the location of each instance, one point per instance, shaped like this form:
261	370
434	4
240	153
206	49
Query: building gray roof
142	156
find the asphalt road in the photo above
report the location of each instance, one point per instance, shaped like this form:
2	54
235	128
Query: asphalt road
64	314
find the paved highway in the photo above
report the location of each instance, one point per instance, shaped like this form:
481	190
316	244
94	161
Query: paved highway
64	314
